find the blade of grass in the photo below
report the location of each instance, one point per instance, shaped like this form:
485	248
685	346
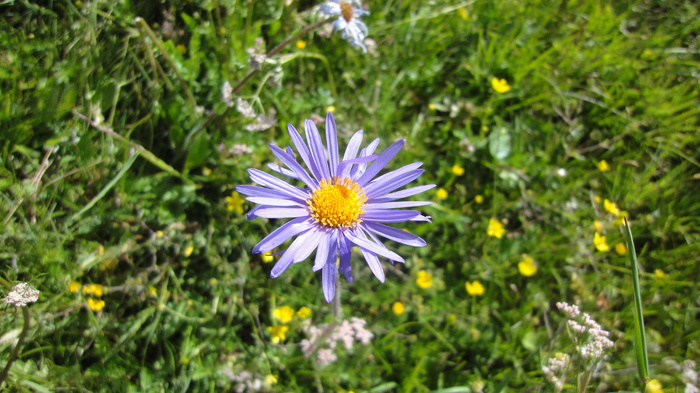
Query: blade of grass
640	340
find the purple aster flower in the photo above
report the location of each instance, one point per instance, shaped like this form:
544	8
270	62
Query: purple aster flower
351	28
341	204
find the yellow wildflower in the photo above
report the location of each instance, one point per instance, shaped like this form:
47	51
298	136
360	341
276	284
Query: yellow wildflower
222	30
267	257
206	171
74	287
160	234
95	305
188	251
500	85
474	288
611	208
659	275
495	229
234	202
213	282
301	44
654	386
152	291
598	226
603	166
463	13
432	106
457	170
527	267
284	313
330	109
304	313
621	249
94	289
424	279
441	193
451	319
398	308
181	48
596	198
479	199
270	380
278	333
600	243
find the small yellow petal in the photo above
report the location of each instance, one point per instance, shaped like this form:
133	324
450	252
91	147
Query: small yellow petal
621	249
304	313
441	193
500	85
95	305
424	279
267	257
600	243
527	267
398	308
654	386
301	44
284	314
603	166
188	251
330	109
475	288
463	13
479	199
457	170
495	229
598	226
74	287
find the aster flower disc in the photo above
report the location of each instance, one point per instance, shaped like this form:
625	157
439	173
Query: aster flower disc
342	205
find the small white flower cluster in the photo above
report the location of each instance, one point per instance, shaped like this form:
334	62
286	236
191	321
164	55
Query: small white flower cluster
597	341
227	94
555	370
246	381
243	107
238	149
329	335
21	295
262	122
257	54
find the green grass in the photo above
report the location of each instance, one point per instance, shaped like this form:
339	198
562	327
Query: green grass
121	202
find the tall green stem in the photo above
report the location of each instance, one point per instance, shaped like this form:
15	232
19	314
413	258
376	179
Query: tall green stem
15	351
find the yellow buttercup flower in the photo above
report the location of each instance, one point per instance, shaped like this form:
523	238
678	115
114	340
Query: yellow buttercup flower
270	380
463	13
441	193
474	288
152	291
596	198
424	279
330	109
284	313
621	249
457	170
301	44
495	229
234	203
660	275
278	333
500	85
598	226
479	199
527	267
603	166
304	313
93	289
267	257
95	305
611	208
74	287
398	308
188	251
160	234
600	243
654	386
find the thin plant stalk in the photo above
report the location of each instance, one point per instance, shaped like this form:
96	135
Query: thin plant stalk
15	351
640	341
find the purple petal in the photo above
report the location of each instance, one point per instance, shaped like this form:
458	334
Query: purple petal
332	142
404	193
311	241
294	166
265	211
367	151
391	184
344	168
283	171
394	234
353	146
318	154
395	205
261	192
267	180
374	264
360	239
421	218
380	162
345	256
282	234
389	215
274	201
303	151
328	278
288	256
251	213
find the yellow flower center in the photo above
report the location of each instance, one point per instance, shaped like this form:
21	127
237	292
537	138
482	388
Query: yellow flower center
346	11
337	203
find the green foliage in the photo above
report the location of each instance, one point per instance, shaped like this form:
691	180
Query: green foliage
135	199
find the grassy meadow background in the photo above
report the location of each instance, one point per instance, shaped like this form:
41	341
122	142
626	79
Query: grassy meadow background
136	200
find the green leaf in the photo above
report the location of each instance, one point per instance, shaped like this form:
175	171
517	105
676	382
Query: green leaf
499	143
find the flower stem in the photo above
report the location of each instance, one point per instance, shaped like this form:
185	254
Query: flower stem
337	308
15	351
